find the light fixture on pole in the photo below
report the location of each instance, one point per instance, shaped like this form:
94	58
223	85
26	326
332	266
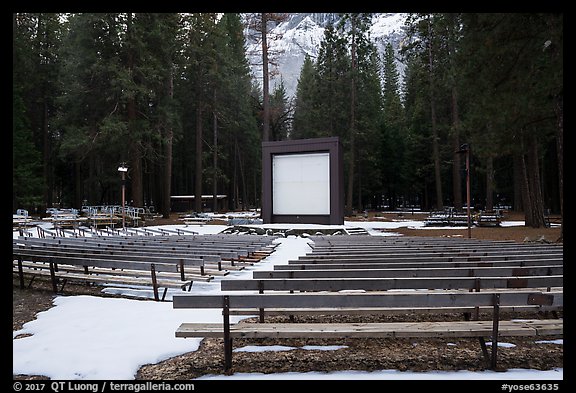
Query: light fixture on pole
123	169
466	149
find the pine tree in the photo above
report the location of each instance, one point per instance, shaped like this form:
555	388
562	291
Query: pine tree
27	177
305	107
333	88
354	28
521	123
93	138
37	39
392	138
280	113
240	141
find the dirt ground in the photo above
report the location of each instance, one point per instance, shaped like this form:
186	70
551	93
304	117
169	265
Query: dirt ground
359	354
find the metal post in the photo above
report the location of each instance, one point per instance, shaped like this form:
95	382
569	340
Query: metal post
495	322
124	201
154	282
123	169
21	272
227	338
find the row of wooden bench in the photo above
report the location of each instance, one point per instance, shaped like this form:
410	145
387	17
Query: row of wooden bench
158	262
399	280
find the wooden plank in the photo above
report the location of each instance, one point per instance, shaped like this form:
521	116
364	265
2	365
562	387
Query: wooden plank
382	284
374	330
422	256
385	310
112	250
100	262
414	272
296	265
365	300
153	247
109	279
185	241
187	261
31	267
409	250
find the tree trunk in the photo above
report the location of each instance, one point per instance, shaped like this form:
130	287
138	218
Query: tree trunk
134	149
435	148
167	178
560	153
136	194
215	160
235	189
242	178
46	156
533	202
198	177
351	164
489	183
517	204
135	158
77	202
456	163
265	82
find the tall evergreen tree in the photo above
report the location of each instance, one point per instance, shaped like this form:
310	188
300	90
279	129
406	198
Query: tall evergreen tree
280	113
37	40
333	88
28	190
201	58
305	106
240	142
355	30
521	123
93	139
393	137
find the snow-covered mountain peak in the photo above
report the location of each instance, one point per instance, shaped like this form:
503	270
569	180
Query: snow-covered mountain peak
302	33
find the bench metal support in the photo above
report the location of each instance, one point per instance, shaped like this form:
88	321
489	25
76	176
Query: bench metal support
64	284
261	310
53	277
31	281
20	273
495	322
484	349
181	265
154	282
227	338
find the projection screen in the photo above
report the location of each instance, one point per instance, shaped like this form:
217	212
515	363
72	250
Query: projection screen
301	183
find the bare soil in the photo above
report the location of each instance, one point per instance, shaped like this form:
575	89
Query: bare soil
359	354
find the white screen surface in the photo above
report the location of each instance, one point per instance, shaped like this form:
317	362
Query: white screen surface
301	184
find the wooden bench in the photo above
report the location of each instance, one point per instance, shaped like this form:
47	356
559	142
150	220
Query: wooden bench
424	263
421	271
102	269
232	248
494	328
234	259
388	283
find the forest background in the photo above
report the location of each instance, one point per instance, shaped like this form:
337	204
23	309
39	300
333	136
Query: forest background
171	95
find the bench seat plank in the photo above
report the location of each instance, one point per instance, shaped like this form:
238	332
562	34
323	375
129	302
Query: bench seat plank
34	267
109	278
380	284
374	330
385	310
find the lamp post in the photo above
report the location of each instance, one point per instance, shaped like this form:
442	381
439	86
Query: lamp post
123	169
466	149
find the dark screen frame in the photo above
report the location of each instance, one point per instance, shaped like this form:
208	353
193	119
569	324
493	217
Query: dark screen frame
300	146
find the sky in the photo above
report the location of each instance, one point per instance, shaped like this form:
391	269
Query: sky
97	338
